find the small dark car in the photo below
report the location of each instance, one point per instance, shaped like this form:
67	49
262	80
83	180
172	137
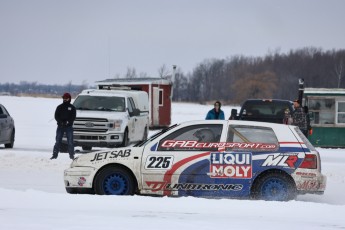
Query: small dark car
7	129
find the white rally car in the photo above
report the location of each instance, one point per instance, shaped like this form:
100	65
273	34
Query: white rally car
210	158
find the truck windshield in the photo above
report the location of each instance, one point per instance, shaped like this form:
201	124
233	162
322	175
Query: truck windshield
267	111
100	103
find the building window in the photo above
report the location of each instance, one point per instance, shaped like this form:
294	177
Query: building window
341	112
323	110
160	97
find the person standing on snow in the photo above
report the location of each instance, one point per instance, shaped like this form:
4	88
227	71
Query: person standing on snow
216	113
299	118
65	115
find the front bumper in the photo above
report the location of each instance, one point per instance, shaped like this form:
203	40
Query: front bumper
79	177
97	139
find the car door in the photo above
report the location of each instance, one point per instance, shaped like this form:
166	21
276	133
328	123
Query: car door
5	124
178	164
2	125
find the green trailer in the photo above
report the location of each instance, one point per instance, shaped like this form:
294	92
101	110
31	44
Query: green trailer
327	115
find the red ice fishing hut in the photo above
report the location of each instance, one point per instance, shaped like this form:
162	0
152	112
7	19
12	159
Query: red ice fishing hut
160	94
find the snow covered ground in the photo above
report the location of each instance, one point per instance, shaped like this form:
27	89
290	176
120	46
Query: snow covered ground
32	193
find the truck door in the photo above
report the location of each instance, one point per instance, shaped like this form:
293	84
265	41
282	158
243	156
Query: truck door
134	127
155	107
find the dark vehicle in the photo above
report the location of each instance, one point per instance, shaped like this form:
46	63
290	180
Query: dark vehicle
264	110
7	130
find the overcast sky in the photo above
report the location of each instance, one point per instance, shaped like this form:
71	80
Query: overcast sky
58	41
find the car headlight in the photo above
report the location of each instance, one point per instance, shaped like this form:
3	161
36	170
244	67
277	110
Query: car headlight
116	124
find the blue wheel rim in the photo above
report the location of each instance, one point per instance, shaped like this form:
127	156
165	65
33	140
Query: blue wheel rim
275	189
116	184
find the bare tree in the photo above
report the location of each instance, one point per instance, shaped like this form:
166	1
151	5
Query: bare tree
131	73
339	71
163	71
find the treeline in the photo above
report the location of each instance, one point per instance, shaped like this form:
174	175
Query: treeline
36	89
276	75
234	79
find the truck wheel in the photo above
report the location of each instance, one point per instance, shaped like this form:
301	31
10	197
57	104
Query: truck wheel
125	139
114	181
11	144
87	148
275	187
63	148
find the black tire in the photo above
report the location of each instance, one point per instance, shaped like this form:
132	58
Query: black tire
63	148
125	139
11	144
87	148
145	134
274	186
114	181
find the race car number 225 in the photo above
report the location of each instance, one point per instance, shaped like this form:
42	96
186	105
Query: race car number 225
159	162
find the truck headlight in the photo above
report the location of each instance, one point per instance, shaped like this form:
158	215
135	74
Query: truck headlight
116	124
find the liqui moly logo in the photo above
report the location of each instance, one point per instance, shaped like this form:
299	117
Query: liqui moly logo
231	165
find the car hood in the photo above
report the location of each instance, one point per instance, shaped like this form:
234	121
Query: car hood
100	114
99	158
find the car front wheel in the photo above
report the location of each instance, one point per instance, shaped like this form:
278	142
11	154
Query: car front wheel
11	144
114	181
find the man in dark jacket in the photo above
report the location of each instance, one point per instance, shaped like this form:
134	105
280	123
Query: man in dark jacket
216	113
65	115
299	118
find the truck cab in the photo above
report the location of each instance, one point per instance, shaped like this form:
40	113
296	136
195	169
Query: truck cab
264	110
110	118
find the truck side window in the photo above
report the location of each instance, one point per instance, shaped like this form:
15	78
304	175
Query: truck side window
208	133
130	105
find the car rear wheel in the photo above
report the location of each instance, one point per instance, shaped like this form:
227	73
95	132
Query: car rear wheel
114	181
11	144
275	187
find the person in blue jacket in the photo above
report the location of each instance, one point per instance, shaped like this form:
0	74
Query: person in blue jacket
216	113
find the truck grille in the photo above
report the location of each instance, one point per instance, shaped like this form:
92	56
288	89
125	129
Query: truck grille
91	119
90	125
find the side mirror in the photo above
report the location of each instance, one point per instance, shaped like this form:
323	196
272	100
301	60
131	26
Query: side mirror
136	112
3	116
233	115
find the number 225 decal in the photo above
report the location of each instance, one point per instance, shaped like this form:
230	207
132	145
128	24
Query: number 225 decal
159	162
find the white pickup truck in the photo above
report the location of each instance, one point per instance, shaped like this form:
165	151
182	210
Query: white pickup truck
110	118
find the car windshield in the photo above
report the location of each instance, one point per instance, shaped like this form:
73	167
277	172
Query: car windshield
144	142
100	103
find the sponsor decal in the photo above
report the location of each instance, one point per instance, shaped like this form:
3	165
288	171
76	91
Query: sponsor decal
231	165
159	162
206	145
305	174
309	185
157	186
81	181
283	160
112	154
